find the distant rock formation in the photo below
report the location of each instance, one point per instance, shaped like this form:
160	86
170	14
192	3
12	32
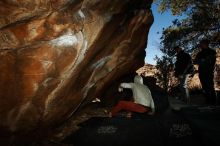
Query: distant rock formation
217	72
148	70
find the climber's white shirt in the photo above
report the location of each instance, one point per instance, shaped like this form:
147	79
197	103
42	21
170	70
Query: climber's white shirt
141	93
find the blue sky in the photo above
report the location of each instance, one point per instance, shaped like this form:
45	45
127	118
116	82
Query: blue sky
160	21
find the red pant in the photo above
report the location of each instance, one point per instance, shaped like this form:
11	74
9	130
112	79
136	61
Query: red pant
129	106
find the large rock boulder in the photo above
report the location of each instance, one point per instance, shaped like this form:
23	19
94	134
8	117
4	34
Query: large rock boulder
57	55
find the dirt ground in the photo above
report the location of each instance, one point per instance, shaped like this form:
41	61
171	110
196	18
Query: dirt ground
98	110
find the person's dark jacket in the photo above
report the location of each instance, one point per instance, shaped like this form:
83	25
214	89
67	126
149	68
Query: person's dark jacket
183	64
206	59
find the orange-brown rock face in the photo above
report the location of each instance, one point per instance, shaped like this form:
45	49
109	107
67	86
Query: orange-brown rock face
57	55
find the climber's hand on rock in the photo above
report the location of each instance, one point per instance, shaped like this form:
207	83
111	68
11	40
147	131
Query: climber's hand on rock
120	89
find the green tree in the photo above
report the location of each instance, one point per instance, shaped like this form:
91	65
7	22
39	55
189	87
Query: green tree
164	66
202	20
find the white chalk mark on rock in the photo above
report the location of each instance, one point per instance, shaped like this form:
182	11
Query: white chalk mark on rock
66	40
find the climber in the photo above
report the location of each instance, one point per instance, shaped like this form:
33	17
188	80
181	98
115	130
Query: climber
142	99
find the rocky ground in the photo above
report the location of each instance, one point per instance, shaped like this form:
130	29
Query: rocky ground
171	126
188	125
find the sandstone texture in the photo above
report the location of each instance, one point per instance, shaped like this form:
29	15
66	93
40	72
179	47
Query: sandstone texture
58	55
